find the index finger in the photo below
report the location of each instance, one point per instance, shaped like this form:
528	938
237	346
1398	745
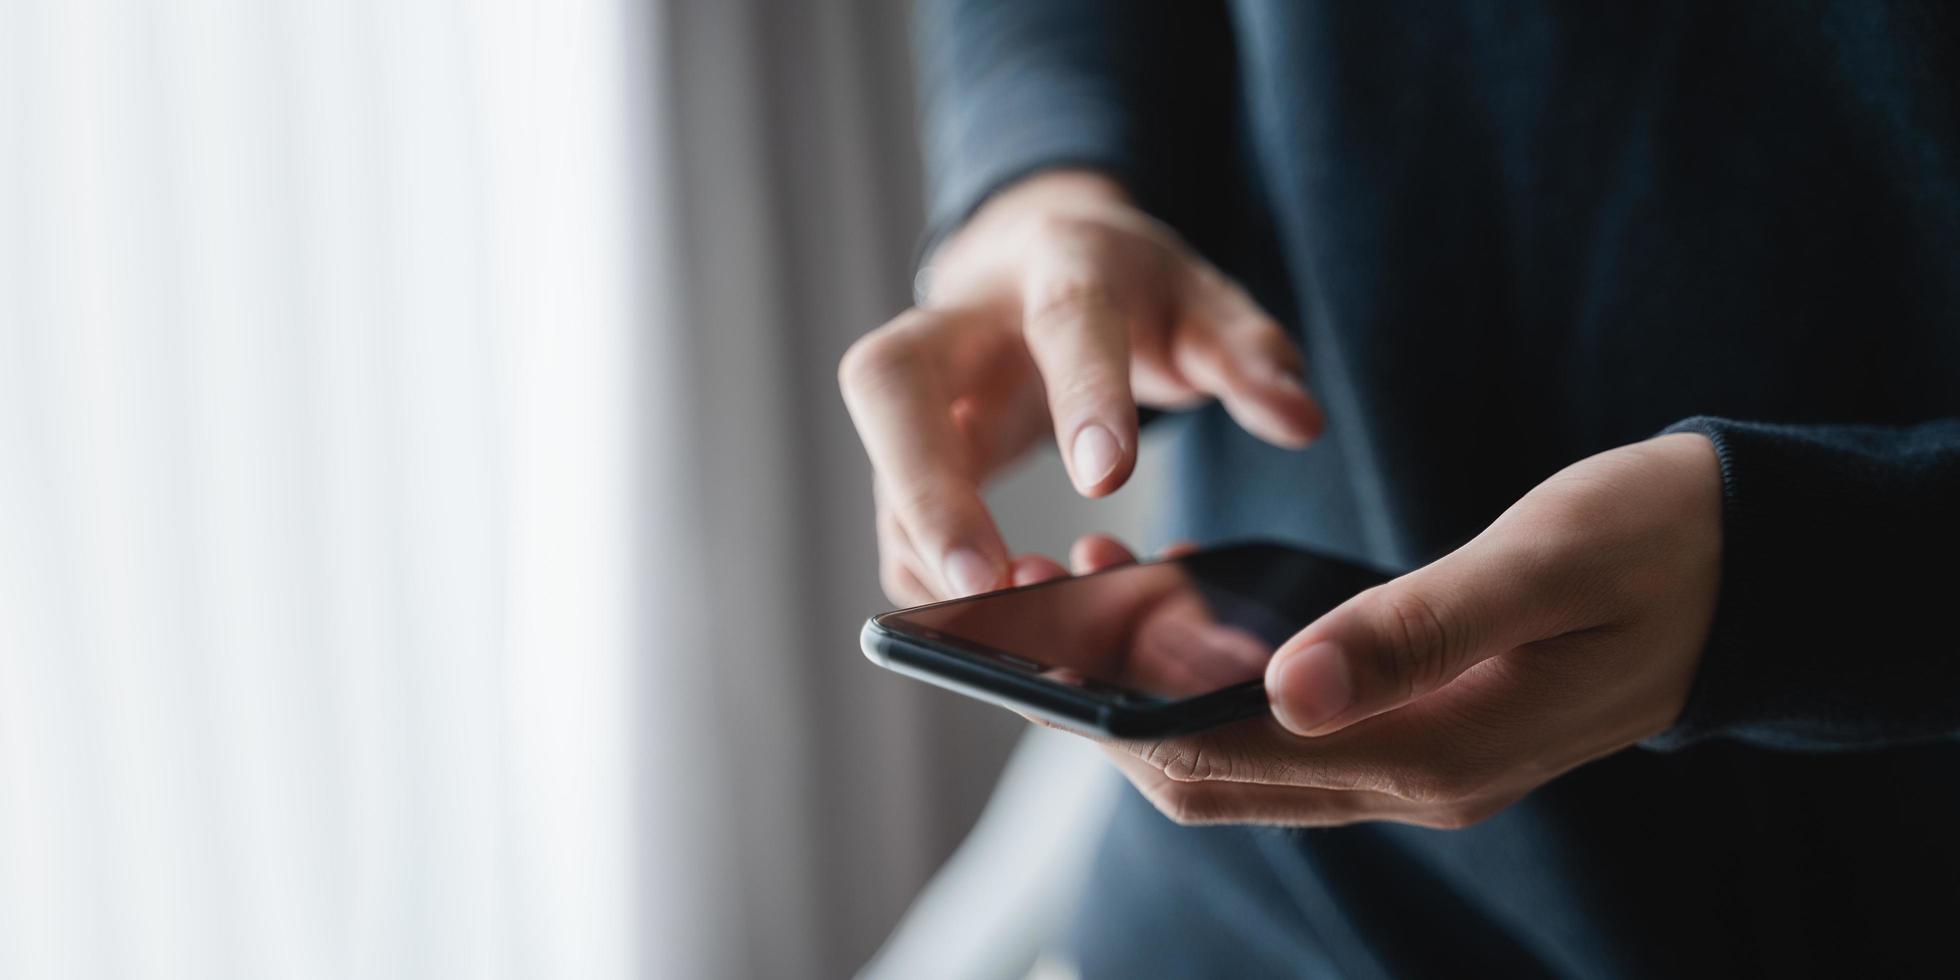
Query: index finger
1073	319
896	390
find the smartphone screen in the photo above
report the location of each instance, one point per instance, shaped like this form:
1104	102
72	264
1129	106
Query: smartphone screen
1160	631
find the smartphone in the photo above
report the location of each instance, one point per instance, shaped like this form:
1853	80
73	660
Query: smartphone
1145	650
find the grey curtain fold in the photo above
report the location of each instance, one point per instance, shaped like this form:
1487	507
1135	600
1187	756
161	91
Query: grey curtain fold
796	204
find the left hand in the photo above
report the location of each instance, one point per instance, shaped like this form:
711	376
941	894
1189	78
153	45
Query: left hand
1569	629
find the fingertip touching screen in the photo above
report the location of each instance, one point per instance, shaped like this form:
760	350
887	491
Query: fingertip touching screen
1162	630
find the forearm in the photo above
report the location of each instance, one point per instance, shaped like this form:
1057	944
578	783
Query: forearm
1010	89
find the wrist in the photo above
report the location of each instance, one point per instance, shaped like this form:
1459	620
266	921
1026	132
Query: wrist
1694	539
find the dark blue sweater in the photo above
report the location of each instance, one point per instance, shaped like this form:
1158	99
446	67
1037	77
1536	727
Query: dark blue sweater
1512	235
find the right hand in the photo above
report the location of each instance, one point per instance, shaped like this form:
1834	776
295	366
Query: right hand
1060	307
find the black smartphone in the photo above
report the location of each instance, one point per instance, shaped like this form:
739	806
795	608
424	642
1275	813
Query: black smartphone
1147	650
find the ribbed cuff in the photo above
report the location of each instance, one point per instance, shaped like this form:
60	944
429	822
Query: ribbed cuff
1696	722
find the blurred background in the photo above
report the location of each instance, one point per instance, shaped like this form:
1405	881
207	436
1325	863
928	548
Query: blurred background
431	542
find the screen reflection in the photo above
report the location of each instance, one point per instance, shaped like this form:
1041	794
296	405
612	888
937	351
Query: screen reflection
1168	630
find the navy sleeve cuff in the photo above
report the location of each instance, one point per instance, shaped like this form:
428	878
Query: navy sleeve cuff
1010	88
1834	629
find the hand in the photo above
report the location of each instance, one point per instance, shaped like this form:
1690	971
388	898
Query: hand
1059	308
1570	629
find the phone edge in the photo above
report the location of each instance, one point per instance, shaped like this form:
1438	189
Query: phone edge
1051	700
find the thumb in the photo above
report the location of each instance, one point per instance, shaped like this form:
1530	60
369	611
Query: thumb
1399	641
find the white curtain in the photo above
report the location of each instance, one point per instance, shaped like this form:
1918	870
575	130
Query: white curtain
430	542
317	353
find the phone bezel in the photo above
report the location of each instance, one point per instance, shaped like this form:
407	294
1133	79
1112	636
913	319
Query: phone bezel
982	672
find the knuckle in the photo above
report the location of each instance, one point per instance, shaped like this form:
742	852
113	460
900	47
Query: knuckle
1088	387
1183	762
1204	765
876	359
928	504
1424	786
1059	303
1169	759
1272	343
1440	786
1418	642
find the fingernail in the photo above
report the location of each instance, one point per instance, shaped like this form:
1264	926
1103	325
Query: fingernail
1310	688
969	572
1096	454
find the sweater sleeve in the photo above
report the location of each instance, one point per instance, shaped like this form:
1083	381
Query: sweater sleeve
1139	89
1838	625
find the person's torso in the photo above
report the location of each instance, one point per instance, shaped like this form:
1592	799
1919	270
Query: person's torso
1515	236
